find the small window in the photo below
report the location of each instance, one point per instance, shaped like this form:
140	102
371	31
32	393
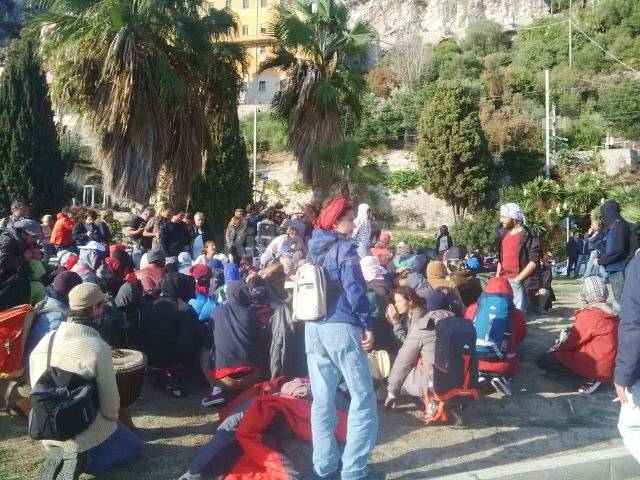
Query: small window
262	49
263	28
263	3
262	86
227	4
245	3
245	30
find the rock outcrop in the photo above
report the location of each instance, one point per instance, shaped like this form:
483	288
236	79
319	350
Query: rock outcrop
434	20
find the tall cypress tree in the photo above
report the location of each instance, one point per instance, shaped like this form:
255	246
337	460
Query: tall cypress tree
31	166
226	184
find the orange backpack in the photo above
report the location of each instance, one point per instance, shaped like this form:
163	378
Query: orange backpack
15	324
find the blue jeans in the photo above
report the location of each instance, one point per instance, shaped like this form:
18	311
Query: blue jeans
594	269
334	352
519	295
136	256
121	446
582	259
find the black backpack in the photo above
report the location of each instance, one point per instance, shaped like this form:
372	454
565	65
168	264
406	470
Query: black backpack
63	404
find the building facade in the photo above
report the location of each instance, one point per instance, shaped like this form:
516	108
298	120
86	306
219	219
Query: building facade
253	17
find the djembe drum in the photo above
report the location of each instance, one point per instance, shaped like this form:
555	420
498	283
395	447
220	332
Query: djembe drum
129	366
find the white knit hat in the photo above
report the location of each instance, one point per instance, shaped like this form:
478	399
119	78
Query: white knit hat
594	290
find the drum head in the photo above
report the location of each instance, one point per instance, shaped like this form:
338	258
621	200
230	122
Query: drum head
124	360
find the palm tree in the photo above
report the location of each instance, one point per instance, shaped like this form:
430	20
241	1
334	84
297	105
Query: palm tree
147	77
320	55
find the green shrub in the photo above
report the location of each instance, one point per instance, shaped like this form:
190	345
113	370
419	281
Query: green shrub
299	187
402	180
272	134
478	231
416	241
115	228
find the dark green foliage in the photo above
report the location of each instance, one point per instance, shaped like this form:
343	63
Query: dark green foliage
484	37
402	180
521	165
620	105
478	231
31	167
587	132
272	134
452	153
226	184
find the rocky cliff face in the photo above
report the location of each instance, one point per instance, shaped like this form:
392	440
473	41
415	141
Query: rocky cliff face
437	19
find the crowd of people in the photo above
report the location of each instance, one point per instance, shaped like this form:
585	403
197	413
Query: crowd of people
226	316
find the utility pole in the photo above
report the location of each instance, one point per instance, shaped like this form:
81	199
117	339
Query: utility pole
255	152
570	36
547	98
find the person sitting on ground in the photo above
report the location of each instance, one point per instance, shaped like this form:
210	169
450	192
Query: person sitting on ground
246	267
238	364
461	277
209	257
19	211
121	325
407	308
500	367
402	259
62	232
379	295
289	242
170	330
78	348
412	371
53	311
91	258
382	250
589	348
437	275
119	264
152	273
87	231
204	301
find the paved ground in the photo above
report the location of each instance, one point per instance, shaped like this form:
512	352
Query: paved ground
545	417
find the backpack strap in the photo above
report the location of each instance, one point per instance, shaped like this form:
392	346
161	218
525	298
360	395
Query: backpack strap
50	348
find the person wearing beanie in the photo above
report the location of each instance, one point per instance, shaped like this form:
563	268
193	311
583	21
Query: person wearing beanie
53	310
382	250
78	348
588	349
519	254
152	273
501	370
90	261
336	347
616	252
437	275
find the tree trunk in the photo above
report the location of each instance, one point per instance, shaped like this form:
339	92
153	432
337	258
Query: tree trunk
166	191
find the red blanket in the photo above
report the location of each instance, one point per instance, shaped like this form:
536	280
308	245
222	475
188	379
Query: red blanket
259	461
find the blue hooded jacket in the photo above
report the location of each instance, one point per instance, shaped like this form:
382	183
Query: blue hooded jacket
346	289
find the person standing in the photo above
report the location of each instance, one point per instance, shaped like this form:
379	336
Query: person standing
62	233
152	229
583	254
519	254
572	250
362	230
106	218
614	258
626	375
174	237
596	241
87	231
198	235
336	349
443	241
76	347
135	231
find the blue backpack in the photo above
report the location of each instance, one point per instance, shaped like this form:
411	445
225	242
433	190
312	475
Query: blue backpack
493	325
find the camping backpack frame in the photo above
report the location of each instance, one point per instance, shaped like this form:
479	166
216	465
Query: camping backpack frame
455	369
63	404
492	322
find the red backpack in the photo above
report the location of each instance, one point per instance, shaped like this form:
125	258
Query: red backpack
15	324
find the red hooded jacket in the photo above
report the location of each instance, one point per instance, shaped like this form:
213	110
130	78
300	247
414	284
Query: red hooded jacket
61	235
506	366
590	349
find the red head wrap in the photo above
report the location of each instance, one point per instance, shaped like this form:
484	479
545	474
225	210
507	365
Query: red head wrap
332	212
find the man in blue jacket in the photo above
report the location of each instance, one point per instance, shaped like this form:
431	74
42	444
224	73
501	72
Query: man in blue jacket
627	371
614	258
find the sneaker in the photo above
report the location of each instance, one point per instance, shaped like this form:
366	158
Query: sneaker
216	397
589	387
502	385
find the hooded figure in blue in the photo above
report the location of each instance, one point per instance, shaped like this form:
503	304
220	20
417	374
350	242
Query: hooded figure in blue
337	348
